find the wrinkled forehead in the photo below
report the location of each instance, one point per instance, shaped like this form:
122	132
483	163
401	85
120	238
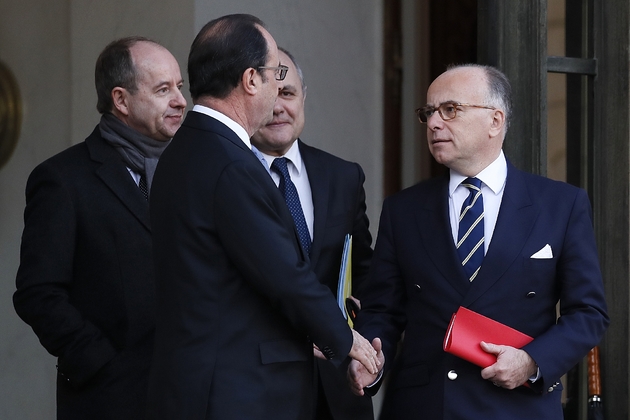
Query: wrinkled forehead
465	85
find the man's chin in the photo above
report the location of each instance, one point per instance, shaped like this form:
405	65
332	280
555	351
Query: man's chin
271	145
276	133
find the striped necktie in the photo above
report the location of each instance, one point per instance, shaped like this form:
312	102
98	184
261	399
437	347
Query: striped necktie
470	237
288	190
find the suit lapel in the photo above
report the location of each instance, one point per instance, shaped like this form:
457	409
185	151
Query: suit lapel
200	121
318	178
114	174
515	221
435	230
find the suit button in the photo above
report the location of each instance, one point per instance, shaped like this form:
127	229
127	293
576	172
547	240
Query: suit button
328	353
452	375
418	287
553	387
531	294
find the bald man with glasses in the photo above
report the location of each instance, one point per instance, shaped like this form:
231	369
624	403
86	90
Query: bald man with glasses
490	238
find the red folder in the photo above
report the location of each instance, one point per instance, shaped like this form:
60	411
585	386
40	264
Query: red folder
468	329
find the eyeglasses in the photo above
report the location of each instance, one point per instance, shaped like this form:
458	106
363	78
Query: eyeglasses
280	72
447	110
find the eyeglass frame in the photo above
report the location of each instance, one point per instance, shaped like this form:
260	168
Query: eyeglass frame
280	71
455	104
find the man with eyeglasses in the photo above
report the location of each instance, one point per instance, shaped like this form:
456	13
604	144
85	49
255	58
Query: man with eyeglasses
239	307
488	237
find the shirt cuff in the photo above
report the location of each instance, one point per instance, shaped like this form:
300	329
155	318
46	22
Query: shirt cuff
378	378
535	377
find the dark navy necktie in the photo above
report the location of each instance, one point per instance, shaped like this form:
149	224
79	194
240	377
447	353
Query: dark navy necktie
142	184
288	190
470	237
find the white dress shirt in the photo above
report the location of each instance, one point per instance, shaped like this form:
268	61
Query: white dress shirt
299	176
135	176
493	179
232	125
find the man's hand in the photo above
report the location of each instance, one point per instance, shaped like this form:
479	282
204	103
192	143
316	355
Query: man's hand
358	376
363	352
355	300
318	353
512	369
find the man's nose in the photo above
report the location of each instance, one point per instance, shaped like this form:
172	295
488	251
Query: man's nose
178	100
435	121
278	108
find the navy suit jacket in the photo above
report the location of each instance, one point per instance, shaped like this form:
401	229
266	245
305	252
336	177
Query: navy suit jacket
238	303
417	283
85	283
339	208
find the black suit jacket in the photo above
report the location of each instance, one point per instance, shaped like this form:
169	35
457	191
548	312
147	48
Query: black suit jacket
339	208
85	282
237	300
417	283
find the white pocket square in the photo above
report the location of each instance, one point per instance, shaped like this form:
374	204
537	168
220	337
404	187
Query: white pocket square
544	253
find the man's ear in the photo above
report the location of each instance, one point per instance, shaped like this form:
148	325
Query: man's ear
251	81
498	122
119	98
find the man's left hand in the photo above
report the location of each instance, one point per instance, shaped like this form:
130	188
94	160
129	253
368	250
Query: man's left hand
512	369
359	377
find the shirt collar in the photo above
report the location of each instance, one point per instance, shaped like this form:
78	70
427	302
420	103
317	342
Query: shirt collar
493	176
293	154
233	125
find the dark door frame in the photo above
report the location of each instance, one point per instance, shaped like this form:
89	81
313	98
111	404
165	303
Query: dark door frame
512	36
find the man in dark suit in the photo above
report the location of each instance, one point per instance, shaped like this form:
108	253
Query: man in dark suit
86	282
333	202
238	305
539	248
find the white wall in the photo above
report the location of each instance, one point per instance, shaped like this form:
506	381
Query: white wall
51	47
38	57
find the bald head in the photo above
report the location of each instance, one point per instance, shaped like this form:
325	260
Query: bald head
471	136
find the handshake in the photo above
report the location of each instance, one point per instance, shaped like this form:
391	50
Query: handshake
366	365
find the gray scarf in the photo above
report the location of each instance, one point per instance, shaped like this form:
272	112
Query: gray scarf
139	152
